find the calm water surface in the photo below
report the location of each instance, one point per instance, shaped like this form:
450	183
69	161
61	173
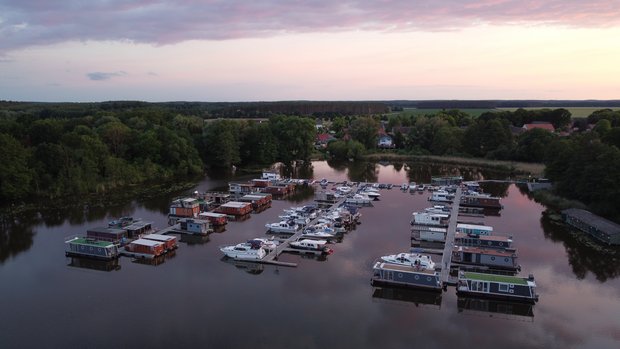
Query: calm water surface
195	298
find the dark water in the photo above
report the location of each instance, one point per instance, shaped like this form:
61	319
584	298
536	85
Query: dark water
195	299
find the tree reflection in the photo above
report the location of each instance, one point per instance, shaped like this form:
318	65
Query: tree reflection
15	237
584	254
361	171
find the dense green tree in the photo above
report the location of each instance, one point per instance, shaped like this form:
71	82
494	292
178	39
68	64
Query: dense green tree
612	137
15	176
259	144
486	136
602	127
365	130
222	143
295	137
531	145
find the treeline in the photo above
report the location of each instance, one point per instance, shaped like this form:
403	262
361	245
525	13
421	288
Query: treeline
491	104
56	154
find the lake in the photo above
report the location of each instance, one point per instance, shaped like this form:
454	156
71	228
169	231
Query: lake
195	298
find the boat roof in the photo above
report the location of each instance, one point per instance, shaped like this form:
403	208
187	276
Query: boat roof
107	230
429	228
495	278
194	220
146	242
159	237
212	214
473	249
483	237
236	204
404	268
90	242
474	226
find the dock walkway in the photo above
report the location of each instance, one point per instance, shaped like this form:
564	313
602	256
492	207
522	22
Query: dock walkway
272	257
446	259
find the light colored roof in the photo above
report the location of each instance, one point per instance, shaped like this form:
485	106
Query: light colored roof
159	237
235	204
212	214
473	226
146	242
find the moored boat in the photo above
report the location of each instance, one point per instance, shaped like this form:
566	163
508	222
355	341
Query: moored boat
311	245
405	276
244	250
90	248
497	286
486	258
412	259
283	227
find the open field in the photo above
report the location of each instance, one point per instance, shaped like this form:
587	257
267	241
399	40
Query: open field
576	112
416	111
522	167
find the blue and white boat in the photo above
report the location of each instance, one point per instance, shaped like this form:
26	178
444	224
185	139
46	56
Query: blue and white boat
388	274
497	286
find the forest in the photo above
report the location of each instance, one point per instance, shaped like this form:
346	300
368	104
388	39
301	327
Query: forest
62	150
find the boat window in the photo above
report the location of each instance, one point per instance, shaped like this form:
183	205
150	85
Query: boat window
503	287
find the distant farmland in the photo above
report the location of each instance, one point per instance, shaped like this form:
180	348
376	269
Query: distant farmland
576	112
417	112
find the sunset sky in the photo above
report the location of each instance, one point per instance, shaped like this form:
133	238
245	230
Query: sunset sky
233	50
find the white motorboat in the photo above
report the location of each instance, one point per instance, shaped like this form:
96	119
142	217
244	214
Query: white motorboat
320	232
311	245
285	227
244	250
372	194
344	189
441	196
296	218
421	261
404	186
359	199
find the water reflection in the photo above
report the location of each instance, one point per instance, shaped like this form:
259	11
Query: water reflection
584	254
15	237
491	306
192	239
247	266
87	263
411	296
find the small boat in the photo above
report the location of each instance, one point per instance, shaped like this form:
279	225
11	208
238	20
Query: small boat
404	186
359	199
412	187
296	218
285	227
412	259
372	194
441	196
344	189
497	286
244	250
324	182
311	245
321	232
421	188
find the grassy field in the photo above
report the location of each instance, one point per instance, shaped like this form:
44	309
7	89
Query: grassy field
577	112
417	112
521	167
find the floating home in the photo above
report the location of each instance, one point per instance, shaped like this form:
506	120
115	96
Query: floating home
188	207
241	188
257	200
216	219
90	248
488	241
138	228
482	201
483	257
426	218
598	227
428	233
261	183
122	222
170	242
324	196
235	208
115	235
387	274
196	226
497	286
441	196
474	229
143	248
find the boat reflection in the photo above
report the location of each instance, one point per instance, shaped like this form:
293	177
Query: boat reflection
247	266
94	264
500	308
407	295
191	239
156	260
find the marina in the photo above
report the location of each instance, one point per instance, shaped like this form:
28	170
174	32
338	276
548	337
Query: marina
215	287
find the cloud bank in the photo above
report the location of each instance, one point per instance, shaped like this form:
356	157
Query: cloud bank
99	76
25	23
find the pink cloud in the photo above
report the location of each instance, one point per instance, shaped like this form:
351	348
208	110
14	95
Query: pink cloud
25	23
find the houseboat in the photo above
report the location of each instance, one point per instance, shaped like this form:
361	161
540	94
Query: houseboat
310	245
483	201
114	235
143	248
428	233
90	248
170	242
195	226
488	241
474	229
235	208
242	188
441	196
216	219
271	176
497	286
245	251
138	228
486	258
188	207
257	200
426	218
388	274
122	222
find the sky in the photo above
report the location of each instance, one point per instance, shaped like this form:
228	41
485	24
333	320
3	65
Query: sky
270	50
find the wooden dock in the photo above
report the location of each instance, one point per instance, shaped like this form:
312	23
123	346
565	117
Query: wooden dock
446	260
284	246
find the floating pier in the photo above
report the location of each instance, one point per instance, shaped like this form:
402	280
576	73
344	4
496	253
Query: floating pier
446	260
